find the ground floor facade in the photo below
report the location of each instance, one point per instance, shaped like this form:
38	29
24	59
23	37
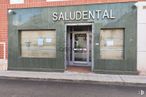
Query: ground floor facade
93	36
102	37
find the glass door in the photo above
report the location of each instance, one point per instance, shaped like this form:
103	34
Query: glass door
80	51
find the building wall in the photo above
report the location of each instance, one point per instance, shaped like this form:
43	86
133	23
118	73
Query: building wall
5	6
38	3
141	46
41	18
3	34
3	27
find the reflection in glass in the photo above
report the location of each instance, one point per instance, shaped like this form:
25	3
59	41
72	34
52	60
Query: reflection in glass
111	43
80	47
38	43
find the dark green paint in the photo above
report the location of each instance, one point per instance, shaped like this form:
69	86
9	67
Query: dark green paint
41	18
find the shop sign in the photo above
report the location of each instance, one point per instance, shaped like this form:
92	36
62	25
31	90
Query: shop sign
83	15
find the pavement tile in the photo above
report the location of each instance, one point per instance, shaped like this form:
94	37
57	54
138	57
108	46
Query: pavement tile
134	79
74	76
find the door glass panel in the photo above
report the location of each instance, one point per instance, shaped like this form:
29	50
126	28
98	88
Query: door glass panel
80	47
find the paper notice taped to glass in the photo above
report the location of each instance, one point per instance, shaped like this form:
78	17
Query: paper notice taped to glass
40	41
48	40
109	42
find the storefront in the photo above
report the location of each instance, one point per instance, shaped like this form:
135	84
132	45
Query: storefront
100	36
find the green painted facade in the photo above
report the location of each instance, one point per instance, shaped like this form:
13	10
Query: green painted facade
41	18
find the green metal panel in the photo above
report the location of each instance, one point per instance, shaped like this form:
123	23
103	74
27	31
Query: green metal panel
41	18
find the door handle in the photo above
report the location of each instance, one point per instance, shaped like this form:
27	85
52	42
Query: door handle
80	49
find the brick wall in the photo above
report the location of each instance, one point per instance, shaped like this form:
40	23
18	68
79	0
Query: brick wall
41	3
1	51
4	6
3	26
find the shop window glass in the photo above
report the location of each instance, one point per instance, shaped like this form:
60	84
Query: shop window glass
39	44
16	1
111	43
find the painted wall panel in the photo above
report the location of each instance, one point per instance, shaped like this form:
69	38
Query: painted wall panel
141	37
141	66
141	40
41	18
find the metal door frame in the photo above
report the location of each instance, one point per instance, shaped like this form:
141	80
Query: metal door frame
65	38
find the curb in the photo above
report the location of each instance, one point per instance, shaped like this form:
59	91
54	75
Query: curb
76	81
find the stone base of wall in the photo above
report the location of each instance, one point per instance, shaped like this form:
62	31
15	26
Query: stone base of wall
141	40
141	63
3	64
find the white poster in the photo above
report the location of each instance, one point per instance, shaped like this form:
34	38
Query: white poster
109	42
40	41
48	40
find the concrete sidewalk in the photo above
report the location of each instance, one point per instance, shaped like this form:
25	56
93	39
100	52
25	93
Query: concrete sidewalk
124	80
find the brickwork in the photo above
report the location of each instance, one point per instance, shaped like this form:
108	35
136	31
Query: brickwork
4	6
1	51
3	26
41	3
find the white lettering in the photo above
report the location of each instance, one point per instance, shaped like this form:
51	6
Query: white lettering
61	17
85	15
91	15
72	16
55	18
105	14
66	18
98	13
78	15
111	14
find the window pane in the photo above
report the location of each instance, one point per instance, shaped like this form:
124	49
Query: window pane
38	44
111	43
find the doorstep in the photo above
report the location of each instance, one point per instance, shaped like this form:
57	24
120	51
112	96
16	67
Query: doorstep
79	69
